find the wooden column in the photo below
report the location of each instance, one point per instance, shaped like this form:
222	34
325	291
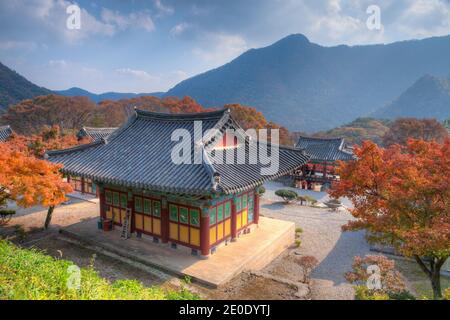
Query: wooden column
130	205
233	220
256	208
204	232
82	185
102	201
164	221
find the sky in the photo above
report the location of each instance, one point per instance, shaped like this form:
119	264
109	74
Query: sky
151	45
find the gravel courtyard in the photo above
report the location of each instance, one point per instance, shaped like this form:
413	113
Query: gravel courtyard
321	238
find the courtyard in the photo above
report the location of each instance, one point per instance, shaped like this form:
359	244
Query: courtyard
321	238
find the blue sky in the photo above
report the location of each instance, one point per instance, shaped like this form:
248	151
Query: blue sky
146	46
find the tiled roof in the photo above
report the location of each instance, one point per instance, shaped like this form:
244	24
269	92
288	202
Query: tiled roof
94	133
324	149
5	133
138	155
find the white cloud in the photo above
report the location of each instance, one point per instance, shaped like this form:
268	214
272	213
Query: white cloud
163	9
179	29
122	22
21	45
140	74
58	63
425	18
223	48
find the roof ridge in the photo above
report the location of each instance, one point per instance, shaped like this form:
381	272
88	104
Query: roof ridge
99	128
320	138
181	116
79	147
5	127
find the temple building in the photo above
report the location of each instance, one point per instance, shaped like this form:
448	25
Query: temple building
94	133
319	172
198	205
5	133
85	185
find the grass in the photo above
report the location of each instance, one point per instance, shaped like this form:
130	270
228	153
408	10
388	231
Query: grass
418	280
28	274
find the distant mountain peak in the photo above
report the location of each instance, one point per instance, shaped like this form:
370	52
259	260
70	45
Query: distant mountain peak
428	97
295	37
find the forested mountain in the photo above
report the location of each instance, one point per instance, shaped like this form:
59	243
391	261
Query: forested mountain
74	92
14	88
308	87
429	97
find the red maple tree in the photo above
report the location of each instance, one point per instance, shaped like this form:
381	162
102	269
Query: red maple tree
401	196
30	181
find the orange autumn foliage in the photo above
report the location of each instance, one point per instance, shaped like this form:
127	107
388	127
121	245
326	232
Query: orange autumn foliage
30	181
250	118
49	138
401	195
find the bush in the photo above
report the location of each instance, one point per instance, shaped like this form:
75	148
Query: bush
298	243
363	293
6	215
403	295
392	283
286	195
298	230
310	200
301	199
446	294
31	275
261	190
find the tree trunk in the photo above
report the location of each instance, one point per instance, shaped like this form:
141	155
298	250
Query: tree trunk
434	273
436	283
49	216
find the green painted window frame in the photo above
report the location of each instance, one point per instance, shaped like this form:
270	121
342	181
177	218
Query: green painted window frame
156	208
212	216
147	206
227	209
108	197
183	215
238	201
138	204
173	213
116	199
123	200
220	213
244	201
194	217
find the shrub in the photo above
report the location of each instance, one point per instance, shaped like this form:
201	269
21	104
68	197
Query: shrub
308	263
392	283
286	195
261	190
298	242
6	215
31	275
446	294
298	230
301	199
403	295
310	200
363	293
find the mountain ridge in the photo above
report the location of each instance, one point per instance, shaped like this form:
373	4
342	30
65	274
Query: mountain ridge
415	102
309	87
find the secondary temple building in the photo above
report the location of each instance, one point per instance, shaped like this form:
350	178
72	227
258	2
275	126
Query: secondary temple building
199	205
319	172
5	133
81	184
94	133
